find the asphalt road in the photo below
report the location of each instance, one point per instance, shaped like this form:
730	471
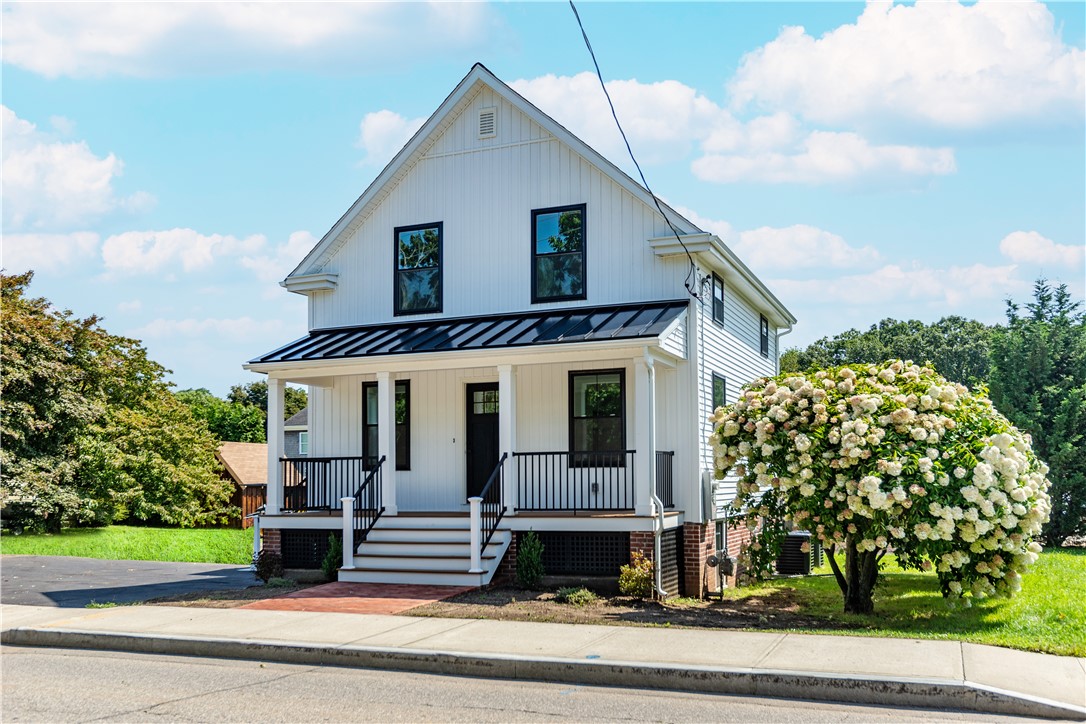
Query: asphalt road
58	685
74	582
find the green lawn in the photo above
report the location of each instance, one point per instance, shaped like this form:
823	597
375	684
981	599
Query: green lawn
1048	615
123	542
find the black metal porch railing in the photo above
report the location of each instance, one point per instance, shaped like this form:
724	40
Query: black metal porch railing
575	481
665	477
492	508
312	483
368	503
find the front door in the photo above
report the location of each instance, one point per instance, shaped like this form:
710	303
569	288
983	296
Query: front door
482	434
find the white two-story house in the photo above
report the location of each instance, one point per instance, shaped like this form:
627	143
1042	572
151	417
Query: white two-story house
506	335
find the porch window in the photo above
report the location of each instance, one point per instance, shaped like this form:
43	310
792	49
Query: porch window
403	424
718	299
720	388
764	336
418	269
597	418
558	256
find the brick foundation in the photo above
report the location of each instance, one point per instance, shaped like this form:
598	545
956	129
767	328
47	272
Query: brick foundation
642	542
699	540
507	569
738	535
271	540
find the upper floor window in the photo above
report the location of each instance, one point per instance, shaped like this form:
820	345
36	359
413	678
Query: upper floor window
720	391
764	336
558	258
418	269
718	299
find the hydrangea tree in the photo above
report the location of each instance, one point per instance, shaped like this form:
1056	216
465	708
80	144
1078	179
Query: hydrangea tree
880	458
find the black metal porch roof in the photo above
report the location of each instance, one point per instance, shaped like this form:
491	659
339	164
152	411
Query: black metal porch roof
521	329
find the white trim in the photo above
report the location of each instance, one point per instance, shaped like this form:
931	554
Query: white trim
602	523
309	283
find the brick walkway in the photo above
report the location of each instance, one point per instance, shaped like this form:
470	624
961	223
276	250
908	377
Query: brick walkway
386	598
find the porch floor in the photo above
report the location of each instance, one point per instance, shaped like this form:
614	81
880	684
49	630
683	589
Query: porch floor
372	598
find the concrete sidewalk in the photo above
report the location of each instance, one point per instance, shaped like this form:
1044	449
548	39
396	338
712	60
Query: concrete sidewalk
939	675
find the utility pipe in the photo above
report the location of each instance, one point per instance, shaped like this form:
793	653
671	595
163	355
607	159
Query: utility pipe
658	521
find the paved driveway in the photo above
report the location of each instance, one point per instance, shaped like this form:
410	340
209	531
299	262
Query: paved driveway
74	582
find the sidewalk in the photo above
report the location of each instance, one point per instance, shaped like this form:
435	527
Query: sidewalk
938	675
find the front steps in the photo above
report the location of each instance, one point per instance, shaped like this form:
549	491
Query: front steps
431	549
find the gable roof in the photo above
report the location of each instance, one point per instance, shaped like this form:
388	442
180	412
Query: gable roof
314	261
245	462
298	420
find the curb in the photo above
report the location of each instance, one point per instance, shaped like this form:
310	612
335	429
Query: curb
942	694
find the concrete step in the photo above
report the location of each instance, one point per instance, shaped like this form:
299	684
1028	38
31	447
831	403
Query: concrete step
449	522
423	548
455	564
418	577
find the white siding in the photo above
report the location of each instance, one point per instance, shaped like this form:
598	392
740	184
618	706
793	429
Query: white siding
484	191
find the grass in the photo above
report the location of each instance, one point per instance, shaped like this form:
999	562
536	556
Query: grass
1047	615
132	543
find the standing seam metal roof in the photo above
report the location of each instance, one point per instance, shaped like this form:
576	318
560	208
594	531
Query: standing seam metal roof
521	329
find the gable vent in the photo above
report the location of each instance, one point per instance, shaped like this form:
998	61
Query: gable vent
488	122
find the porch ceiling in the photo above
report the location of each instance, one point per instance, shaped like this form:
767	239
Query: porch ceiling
569	325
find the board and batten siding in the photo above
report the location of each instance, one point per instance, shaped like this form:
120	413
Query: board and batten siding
734	352
483	191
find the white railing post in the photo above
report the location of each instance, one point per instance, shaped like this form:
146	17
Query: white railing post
256	538
348	532
507	431
476	506
274	499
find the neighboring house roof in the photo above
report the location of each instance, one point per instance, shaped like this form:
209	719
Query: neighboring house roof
299	421
245	462
552	326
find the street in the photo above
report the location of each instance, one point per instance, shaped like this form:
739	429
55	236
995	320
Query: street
58	685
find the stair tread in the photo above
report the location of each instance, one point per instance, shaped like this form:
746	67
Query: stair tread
415	556
435	571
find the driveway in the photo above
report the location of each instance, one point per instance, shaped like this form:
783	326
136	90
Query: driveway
74	582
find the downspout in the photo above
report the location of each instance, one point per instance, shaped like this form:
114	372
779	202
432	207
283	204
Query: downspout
658	520
777	345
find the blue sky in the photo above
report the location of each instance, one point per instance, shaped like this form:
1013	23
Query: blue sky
165	165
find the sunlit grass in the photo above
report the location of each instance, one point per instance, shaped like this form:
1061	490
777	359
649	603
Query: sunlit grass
132	543
1048	615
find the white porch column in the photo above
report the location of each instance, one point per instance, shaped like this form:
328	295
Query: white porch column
275	446
644	434
507	431
386	438
348	532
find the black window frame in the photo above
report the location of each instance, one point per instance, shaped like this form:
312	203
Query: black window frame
763	335
718	304
396	309
403	462
712	390
597	458
583	209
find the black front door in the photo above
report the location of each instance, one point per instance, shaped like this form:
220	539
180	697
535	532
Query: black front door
482	436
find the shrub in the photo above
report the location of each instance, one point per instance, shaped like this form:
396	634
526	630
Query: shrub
280	583
333	558
269	565
529	560
636	578
576	595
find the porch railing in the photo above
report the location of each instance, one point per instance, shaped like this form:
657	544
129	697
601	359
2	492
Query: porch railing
665	477
313	483
492	507
368	503
575	481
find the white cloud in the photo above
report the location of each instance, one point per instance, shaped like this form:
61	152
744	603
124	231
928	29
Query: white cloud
1029	247
239	328
825	157
132	305
54	185
383	133
47	252
156	39
140	252
939	63
281	261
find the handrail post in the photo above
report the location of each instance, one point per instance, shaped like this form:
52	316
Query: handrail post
348	532
475	505
256	538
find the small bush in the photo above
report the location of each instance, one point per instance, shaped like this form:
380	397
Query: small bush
280	583
333	559
529	560
269	565
636	578
576	596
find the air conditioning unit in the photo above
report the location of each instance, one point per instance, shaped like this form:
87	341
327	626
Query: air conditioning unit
792	560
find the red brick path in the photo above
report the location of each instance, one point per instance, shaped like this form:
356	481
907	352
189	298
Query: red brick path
386	598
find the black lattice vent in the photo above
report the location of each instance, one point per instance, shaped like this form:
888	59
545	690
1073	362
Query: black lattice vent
671	556
305	548
584	554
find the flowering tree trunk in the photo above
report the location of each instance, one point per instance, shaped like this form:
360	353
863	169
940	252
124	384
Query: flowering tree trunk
857	582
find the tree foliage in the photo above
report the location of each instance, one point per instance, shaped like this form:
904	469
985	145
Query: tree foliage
874	457
1038	381
227	421
256	394
90	432
957	347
